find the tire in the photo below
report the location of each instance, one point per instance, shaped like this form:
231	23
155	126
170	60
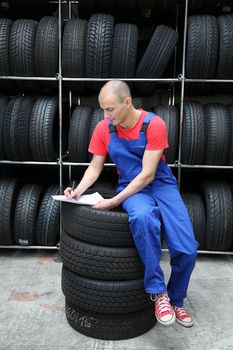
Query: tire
4	100
225	56
74	48
48	219
124	51
193	134
170	116
8	193
5	28
26	214
104	296
22	38
42	129
100	262
202	47
219	222
16	125
79	129
99	47
97	116
46	47
230	158
108	228
156	57
196	210
110	327
218	134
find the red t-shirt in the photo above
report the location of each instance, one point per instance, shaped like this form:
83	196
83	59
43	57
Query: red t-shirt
156	135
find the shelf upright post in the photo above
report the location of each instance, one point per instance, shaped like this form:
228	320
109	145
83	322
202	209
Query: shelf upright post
60	102
182	77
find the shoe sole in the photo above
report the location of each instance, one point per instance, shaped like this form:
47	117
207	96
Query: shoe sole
186	325
167	323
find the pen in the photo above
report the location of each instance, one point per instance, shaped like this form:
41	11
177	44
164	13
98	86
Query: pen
73	186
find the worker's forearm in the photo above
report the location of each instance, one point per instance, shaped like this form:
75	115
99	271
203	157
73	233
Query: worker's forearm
138	183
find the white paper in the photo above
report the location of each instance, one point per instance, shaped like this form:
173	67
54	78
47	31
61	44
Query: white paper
87	199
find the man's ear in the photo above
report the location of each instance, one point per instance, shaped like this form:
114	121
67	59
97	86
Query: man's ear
128	101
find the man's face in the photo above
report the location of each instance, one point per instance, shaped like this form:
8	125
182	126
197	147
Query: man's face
114	109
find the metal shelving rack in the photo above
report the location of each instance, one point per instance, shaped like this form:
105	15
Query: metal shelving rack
180	79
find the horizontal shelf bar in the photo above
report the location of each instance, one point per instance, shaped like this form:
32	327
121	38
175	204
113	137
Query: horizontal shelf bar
29	247
161	80
27	162
206	166
208	80
164	250
15	77
105	164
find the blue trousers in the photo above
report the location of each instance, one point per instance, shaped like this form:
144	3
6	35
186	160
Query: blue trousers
161	207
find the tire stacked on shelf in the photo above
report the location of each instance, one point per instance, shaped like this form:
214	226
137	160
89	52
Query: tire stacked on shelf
28	128
102	275
206	134
28	214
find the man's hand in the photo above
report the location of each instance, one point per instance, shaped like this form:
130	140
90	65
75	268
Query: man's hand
105	204
71	194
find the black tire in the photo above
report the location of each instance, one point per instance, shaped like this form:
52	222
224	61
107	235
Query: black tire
27	206
196	210
5	28
218	134
79	129
104	296
42	129
193	134
219	221
202	47
100	262
8	193
22	38
230	158
16	134
97	116
99	47
124	50
109	228
170	116
110	327
46	47
225	56
48	219
74	48
156	57
4	100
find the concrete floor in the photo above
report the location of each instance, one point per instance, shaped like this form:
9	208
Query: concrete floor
32	308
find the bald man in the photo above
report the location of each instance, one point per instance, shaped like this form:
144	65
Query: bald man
147	191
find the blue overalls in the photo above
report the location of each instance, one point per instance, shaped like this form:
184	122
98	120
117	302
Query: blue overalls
157	206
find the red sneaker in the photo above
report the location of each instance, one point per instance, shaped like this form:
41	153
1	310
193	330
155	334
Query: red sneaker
183	317
163	309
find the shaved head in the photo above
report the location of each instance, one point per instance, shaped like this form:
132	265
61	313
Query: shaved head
116	87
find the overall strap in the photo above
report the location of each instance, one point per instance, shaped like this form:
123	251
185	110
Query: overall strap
111	127
146	122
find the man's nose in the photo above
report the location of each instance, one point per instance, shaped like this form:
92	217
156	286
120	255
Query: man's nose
107	115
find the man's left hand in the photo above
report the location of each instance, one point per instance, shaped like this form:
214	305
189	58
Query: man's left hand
105	204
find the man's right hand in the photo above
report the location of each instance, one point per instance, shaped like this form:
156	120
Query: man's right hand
71	194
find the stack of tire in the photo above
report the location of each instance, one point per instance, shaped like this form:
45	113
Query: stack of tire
28	128
97	49
211	214
206	134
102	275
209	51
28	214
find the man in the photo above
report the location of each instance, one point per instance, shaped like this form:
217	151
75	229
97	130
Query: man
147	191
